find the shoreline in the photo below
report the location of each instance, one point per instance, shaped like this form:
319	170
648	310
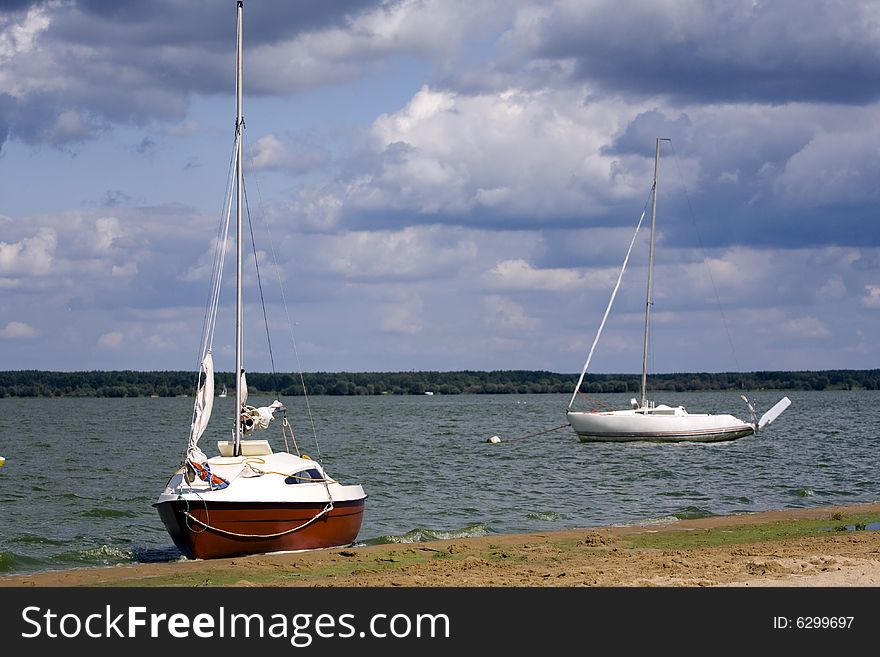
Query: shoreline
816	546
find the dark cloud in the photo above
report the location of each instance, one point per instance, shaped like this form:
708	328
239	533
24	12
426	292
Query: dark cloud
639	136
7	105
132	62
115	198
8	6
146	146
177	22
719	51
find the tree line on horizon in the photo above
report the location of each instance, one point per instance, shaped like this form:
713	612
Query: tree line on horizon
134	383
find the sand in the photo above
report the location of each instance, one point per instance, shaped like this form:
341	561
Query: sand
830	553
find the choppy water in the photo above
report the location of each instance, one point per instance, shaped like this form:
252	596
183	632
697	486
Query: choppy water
81	474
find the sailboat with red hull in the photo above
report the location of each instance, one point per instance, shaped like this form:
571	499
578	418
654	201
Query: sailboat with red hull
250	498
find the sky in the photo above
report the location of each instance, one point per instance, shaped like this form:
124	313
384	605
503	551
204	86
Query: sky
443	184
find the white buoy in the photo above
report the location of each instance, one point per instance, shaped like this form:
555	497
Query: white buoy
494	440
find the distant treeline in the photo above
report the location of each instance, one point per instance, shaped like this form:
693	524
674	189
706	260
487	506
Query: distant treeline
130	383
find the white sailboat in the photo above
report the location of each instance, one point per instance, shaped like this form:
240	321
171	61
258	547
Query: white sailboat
646	420
250	499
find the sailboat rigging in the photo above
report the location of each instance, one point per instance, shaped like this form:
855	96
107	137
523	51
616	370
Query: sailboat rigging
646	420
250	499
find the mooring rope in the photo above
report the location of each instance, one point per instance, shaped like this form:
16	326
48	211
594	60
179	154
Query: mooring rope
595	402
327	509
538	433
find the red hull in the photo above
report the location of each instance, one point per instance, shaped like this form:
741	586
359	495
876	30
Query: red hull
252	522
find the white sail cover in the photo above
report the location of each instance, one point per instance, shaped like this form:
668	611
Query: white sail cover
253	418
202	410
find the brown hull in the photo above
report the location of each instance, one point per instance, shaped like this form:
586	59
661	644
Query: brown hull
252	522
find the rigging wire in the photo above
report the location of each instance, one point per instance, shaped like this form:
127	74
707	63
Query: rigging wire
290	326
219	259
262	298
608	308
209	321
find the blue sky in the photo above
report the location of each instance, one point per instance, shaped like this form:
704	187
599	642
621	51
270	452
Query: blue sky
446	184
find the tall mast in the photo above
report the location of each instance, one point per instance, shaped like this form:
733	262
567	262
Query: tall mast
649	295
239	128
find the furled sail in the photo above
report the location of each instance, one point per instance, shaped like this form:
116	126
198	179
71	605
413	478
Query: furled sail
203	405
196	462
243	386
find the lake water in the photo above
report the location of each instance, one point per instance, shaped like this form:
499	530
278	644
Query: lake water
81	474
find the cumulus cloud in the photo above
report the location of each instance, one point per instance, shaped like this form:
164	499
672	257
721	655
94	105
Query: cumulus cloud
271	153
400	318
83	67
495	172
112	340
833	288
520	275
411	253
30	256
18	330
514	154
871	298
806	327
70	68
507	315
832	166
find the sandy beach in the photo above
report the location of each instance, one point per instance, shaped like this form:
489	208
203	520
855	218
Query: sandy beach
823	546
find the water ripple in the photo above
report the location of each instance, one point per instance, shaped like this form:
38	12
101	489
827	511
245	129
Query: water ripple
426	466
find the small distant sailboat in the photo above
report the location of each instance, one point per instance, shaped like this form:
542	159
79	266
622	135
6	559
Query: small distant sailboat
223	392
646	420
250	499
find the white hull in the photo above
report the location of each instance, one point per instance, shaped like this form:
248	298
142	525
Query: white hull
659	424
263	478
646	421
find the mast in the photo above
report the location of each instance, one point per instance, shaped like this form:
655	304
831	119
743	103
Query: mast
649	295
239	128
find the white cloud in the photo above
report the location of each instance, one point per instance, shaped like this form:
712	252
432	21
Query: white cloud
837	164
506	315
520	275
833	288
737	269
410	253
871	299
806	327
518	152
112	340
18	330
19	39
494	172
271	153
161	343
432	29
401	319
107	229
31	256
